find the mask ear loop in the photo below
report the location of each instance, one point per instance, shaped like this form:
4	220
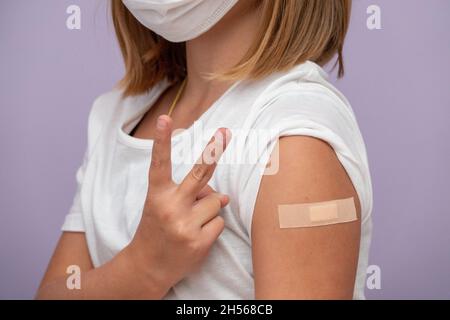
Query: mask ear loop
177	98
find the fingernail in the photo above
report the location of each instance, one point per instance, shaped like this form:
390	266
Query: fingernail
161	124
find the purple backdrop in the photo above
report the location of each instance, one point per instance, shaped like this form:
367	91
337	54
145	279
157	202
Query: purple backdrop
397	81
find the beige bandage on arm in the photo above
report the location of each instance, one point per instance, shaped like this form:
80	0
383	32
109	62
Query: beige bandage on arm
316	214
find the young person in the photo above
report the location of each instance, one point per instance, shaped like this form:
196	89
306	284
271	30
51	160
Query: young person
150	222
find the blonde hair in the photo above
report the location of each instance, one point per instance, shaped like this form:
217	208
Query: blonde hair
292	32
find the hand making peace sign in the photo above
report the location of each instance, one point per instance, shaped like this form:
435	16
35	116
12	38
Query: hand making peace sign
179	223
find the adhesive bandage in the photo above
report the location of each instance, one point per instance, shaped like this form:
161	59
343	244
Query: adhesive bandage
316	214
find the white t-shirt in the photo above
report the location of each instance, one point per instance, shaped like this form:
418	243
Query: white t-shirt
112	181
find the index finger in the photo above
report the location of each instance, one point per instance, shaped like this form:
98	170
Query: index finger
204	168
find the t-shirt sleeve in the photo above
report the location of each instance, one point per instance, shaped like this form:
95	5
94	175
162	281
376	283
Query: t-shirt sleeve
73	221
316	113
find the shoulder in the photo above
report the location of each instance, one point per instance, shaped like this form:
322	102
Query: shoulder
303	92
318	137
309	171
104	106
303	102
114	103
102	110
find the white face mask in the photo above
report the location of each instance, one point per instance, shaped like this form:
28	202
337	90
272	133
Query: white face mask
179	20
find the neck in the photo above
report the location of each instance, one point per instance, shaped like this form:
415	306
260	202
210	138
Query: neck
217	50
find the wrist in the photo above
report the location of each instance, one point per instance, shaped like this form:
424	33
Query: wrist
151	280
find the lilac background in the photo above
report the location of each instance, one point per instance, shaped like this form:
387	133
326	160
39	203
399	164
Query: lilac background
397	80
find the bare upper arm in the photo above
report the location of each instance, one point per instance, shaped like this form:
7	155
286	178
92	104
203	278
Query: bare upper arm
304	263
71	250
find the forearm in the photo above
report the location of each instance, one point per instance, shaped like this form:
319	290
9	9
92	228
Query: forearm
116	279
